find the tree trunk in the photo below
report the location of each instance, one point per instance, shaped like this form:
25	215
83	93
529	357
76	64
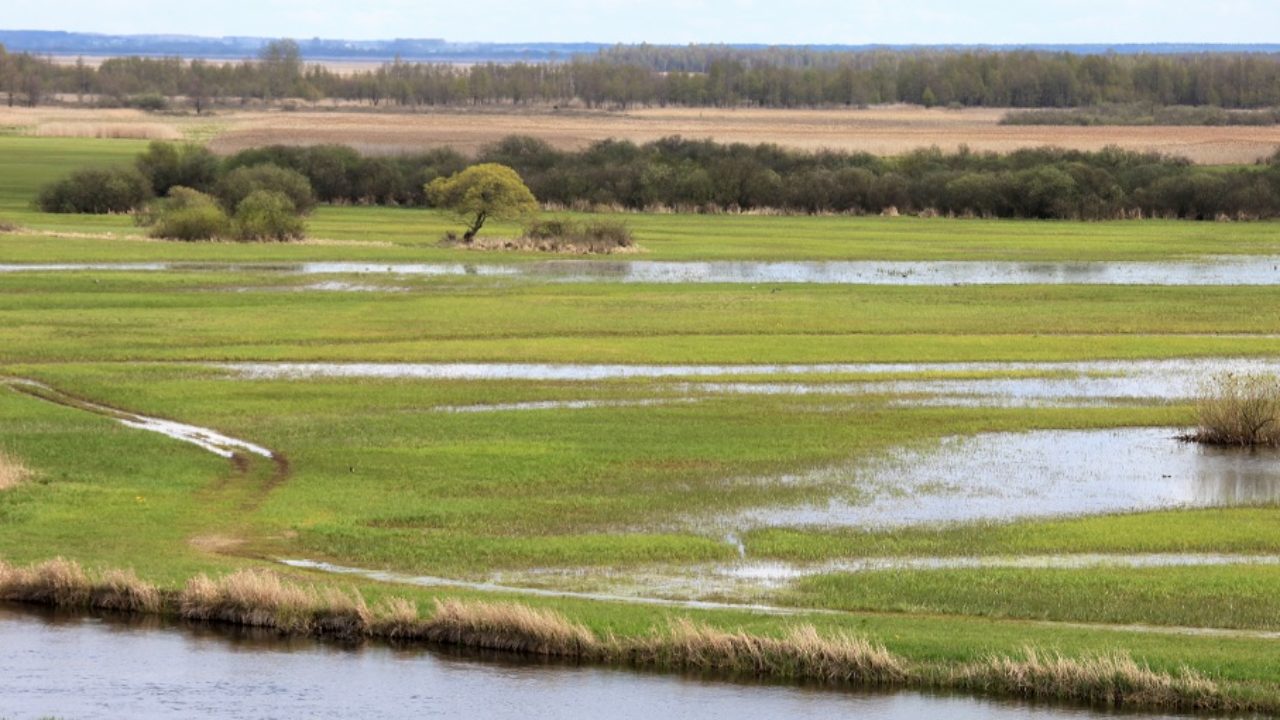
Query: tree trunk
474	228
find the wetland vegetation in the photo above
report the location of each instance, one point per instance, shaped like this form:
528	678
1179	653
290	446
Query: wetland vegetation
594	480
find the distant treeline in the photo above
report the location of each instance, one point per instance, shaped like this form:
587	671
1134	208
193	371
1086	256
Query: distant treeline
703	176
694	76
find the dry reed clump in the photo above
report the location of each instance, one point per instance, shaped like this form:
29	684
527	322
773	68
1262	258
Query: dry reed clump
1114	680
510	627
112	131
395	619
124	591
260	598
12	472
58	582
8	226
1239	409
801	654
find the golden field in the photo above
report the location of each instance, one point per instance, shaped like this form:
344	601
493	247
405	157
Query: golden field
882	130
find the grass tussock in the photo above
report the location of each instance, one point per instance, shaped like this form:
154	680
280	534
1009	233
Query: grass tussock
12	472
57	582
1239	409
124	591
110	131
1113	680
510	627
259	598
801	654
395	619
8	226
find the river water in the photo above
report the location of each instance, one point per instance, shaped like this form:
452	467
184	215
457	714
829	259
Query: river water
90	667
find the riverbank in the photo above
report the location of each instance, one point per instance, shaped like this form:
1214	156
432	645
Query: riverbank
262	599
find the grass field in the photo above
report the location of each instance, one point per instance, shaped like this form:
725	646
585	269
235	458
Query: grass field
382	473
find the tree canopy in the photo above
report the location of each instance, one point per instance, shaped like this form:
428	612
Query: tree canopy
481	192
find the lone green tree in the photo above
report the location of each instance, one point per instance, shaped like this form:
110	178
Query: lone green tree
481	192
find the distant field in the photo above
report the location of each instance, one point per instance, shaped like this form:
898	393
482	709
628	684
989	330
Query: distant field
887	130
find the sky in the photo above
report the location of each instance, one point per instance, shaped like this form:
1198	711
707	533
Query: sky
675	21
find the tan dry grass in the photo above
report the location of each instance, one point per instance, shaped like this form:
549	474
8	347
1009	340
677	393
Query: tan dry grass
123	591
801	654
12	472
1114	680
880	130
260	598
110	131
890	130
395	619
510	627
57	582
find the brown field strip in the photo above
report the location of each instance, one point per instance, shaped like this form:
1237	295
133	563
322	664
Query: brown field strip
885	130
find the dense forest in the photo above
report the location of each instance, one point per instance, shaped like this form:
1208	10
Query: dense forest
703	176
658	76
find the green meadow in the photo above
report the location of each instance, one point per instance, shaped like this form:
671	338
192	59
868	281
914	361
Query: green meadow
387	474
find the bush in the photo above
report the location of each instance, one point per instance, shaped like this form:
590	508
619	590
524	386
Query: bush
97	191
149	102
189	215
267	215
1239	410
167	165
593	236
239	184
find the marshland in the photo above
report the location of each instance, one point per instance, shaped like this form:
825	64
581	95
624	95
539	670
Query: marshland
769	455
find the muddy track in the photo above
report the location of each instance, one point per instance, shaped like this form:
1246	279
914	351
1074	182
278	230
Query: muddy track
237	452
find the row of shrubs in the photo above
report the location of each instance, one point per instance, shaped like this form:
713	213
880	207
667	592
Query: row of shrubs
1043	183
700	175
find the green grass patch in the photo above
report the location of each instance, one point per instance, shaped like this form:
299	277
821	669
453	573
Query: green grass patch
1238	597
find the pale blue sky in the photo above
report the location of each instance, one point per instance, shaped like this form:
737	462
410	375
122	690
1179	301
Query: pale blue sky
674	21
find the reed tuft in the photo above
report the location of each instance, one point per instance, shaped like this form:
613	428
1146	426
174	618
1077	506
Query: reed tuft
1239	409
1114	680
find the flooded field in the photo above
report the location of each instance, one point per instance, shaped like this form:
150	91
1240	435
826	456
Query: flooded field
1038	474
1102	380
76	667
1245	270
